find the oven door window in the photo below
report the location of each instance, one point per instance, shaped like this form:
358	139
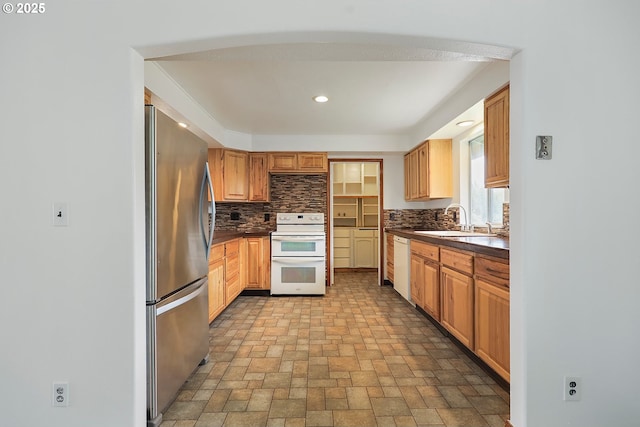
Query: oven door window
298	247
299	274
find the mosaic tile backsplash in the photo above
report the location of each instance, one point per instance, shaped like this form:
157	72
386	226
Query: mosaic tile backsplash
289	193
435	219
308	193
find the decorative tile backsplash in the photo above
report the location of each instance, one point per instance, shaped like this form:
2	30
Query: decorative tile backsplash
308	193
435	219
289	193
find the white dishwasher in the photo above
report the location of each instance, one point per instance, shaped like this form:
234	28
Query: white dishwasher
401	266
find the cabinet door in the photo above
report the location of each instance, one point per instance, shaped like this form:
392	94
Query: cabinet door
283	162
233	286
389	261
417	280
431	291
414	178
312	162
364	254
492	326
258	178
235	175
407	177
216	289
457	305
255	262
496	140
422	171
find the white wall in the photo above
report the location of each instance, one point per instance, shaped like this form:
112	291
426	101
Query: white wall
72	131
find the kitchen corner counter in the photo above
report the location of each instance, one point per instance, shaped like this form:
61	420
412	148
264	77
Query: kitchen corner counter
222	236
496	246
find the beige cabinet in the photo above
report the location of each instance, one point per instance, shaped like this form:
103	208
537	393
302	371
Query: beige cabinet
365	248
492	313
342	247
456	287
425	277
258	263
230	174
355	179
496	139
298	162
216	284
428	171
258	178
355	248
355	211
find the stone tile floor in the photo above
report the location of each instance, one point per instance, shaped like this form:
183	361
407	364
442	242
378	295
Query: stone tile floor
359	356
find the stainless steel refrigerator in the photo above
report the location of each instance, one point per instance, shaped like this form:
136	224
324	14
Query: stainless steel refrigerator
178	241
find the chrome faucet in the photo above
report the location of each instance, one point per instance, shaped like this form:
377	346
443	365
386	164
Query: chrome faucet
465	226
489	228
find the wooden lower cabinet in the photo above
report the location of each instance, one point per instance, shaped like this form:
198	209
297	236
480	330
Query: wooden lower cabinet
258	264
233	285
425	278
389	261
492	326
457	305
492	313
216	289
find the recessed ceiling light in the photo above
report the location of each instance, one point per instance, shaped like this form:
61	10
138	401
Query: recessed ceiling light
320	98
183	125
465	123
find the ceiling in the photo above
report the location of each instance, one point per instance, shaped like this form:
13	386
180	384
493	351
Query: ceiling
372	89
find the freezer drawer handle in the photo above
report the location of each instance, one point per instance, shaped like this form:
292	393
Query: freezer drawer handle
180	301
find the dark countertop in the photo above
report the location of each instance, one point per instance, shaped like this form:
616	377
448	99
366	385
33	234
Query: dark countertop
496	246
223	236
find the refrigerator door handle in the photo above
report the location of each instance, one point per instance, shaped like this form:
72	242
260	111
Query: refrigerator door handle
180	301
206	183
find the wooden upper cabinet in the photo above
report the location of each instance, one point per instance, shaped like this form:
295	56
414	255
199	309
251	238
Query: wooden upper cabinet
313	162
407	176
300	163
428	171
258	178
496	139
230	174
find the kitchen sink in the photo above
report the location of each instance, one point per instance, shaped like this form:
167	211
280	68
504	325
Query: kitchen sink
453	233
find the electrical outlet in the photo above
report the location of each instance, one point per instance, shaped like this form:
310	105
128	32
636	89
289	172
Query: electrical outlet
60	393
572	388
543	147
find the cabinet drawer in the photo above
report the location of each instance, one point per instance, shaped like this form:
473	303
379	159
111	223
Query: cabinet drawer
363	233
341	242
342	252
232	266
232	288
341	262
232	247
460	261
425	250
217	253
341	232
495	270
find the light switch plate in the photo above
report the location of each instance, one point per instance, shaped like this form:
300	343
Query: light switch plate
60	214
543	147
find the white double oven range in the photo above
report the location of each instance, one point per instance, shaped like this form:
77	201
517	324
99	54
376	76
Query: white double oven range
298	251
